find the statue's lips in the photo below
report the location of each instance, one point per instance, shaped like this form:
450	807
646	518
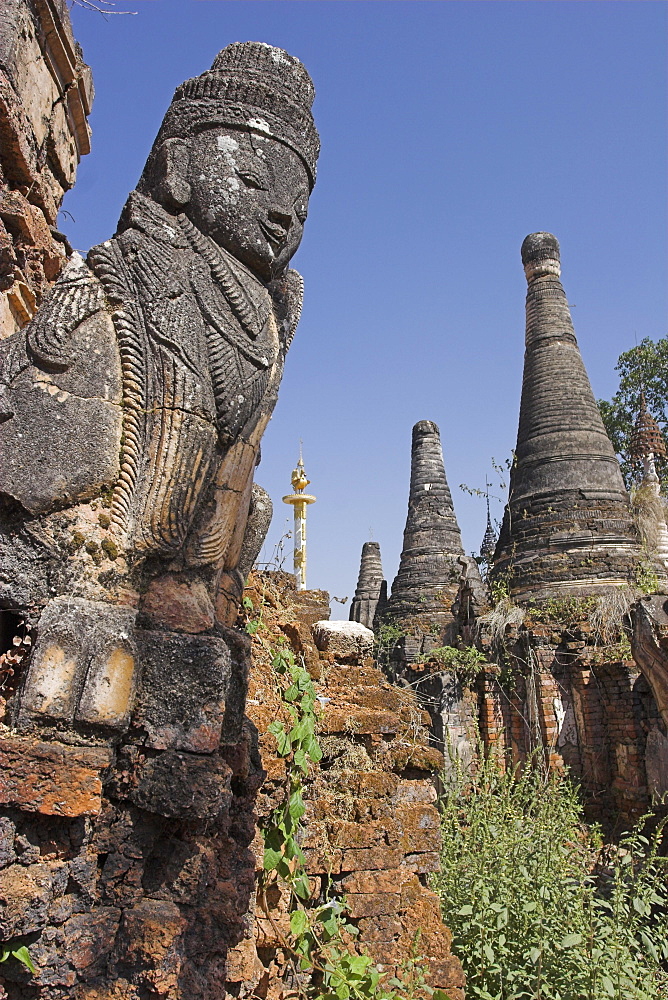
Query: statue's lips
275	234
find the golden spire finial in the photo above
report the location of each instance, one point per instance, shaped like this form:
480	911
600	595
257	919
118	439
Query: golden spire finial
299	501
298	478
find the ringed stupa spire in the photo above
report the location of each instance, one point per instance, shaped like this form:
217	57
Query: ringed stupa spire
489	538
567	527
371	592
428	579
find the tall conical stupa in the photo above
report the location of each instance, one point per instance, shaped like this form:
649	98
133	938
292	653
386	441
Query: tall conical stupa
429	572
371	592
567	527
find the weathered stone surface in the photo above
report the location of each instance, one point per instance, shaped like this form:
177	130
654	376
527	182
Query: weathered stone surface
45	97
135	902
66	423
650	647
428	578
91	935
131	868
149	936
84	664
143	385
343	639
177	603
568	527
181	699
182	784
51	778
25	894
7	831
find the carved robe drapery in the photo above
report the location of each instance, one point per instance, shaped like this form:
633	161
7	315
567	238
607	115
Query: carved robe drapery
202	345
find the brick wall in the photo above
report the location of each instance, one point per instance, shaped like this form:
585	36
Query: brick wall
46	92
371	825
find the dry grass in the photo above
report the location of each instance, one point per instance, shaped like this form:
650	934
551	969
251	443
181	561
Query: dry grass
610	613
496	621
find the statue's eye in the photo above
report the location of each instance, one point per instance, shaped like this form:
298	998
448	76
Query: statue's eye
301	209
252	179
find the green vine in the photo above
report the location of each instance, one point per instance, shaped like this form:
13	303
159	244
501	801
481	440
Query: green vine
319	948
297	747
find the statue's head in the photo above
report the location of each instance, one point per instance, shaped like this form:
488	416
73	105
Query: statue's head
237	154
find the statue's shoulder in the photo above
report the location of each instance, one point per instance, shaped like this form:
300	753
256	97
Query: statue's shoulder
76	296
287	293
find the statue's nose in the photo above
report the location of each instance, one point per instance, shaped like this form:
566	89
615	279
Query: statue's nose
281	218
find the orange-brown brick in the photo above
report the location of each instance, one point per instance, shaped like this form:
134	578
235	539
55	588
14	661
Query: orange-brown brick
51	778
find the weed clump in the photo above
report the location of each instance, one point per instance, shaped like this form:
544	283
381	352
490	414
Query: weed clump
538	907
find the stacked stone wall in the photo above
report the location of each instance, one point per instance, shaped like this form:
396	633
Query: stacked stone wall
371	830
46	93
130	872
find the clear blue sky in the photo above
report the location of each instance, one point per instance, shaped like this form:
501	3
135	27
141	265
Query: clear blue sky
449	131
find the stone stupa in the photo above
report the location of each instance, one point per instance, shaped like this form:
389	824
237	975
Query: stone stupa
567	528
430	569
371	592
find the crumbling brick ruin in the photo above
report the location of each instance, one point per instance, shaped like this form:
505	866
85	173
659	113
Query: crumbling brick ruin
46	91
371	592
564	575
568	527
371	827
136	763
432	558
137	760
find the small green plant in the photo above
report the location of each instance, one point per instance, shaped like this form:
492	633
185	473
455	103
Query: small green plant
562	612
388	634
537	908
614	652
19	952
499	590
465	663
647	580
252	624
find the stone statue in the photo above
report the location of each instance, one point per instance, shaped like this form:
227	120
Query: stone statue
133	404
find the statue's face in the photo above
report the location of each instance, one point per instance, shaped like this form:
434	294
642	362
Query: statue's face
249	194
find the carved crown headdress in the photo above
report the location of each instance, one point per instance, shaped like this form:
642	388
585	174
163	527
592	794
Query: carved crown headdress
251	86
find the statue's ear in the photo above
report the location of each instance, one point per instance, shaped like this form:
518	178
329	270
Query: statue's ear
172	170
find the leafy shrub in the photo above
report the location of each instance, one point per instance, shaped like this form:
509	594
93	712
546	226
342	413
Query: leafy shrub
466	663
537	908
